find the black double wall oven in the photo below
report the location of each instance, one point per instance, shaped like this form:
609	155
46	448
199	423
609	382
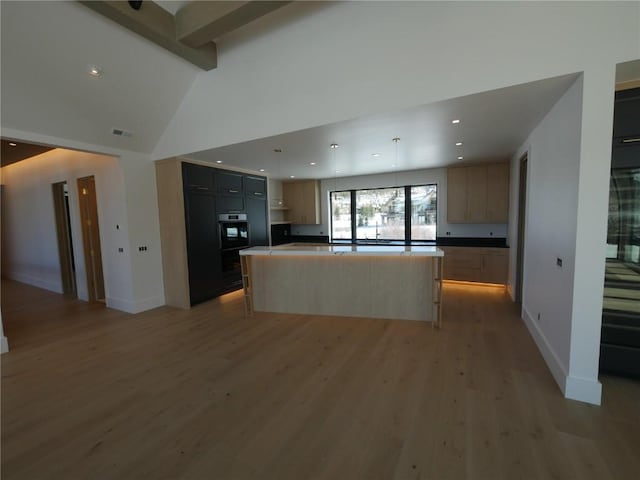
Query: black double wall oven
234	236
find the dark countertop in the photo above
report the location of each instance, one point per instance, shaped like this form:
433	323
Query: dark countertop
493	242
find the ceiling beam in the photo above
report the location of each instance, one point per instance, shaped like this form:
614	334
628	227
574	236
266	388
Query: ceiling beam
156	24
199	22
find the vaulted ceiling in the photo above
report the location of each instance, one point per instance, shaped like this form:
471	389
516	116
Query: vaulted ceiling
48	48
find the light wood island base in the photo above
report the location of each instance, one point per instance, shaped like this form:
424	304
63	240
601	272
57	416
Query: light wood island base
401	283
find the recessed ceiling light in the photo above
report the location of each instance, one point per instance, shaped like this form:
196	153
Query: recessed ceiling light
11	144
312	163
337	171
375	154
460	158
334	145
94	70
262	169
292	176
458	144
218	161
455	121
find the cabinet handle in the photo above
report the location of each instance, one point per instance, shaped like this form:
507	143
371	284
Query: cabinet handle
257	193
231	190
202	188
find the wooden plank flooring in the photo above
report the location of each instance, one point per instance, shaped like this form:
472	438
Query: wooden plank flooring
89	392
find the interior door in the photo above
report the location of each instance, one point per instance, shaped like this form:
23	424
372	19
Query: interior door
91	238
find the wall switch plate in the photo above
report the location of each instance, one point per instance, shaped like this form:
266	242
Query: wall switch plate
559	262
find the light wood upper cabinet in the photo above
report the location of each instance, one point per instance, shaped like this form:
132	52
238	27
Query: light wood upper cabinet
498	193
478	194
303	200
457	194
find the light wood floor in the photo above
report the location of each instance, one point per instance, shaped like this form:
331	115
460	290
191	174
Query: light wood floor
92	393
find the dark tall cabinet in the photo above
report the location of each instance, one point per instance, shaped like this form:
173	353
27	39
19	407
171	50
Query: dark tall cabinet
256	205
203	255
208	192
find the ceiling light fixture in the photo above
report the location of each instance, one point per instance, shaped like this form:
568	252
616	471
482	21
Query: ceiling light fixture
458	144
312	163
375	154
94	70
460	157
334	146
456	121
11	144
292	176
218	161
262	169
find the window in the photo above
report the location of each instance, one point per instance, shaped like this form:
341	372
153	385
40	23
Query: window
380	214
341	215
401	214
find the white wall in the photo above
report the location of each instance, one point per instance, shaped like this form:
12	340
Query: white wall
415	177
30	232
566	213
552	196
128	214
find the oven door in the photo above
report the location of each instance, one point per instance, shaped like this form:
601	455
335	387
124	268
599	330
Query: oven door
233	235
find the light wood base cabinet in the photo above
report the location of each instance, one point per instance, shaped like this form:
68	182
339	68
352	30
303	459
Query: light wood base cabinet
475	264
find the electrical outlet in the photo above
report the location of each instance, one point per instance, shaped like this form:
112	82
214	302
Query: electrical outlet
559	262
120	249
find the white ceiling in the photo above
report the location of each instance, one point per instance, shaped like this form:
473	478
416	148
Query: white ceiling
492	126
47	47
46	50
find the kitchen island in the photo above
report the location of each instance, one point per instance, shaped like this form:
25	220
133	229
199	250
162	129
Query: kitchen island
375	281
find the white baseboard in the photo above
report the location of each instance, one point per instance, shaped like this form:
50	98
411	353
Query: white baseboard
34	281
4	345
130	306
581	389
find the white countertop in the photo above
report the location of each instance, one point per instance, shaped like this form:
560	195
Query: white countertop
373	250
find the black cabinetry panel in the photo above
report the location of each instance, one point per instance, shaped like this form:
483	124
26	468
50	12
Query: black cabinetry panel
203	251
197	177
255	186
257	217
229	183
230	204
626	116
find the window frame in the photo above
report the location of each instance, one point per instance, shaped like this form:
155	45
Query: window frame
408	240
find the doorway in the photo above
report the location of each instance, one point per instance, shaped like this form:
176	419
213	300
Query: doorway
522	204
91	238
63	231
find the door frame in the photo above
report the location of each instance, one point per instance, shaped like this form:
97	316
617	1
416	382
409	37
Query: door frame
65	243
522	213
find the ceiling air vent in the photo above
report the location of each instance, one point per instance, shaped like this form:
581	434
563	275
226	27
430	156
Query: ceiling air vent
120	132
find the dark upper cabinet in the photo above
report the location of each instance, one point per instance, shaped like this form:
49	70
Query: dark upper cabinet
230	203
197	177
229	183
626	117
203	255
255	186
257	218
